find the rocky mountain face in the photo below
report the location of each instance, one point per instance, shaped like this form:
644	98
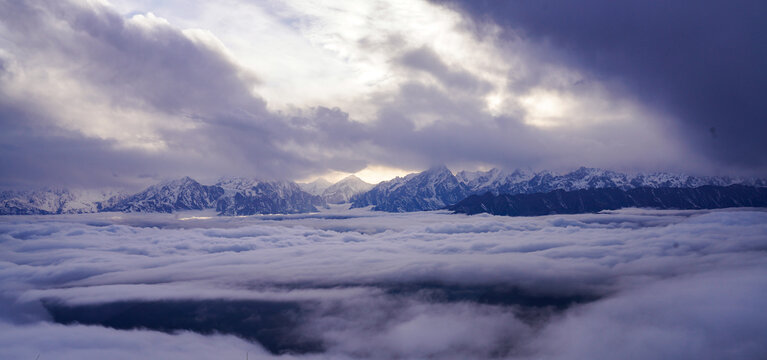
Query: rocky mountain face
170	196
598	199
343	191
249	197
432	189
402	194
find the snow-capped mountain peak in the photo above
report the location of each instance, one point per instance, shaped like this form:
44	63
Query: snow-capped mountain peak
428	190
56	201
168	196
344	190
315	187
236	183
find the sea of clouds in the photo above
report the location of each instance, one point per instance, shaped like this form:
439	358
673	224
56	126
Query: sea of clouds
346	284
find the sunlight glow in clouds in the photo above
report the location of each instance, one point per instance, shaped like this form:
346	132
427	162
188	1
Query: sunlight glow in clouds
332	53
545	109
296	89
376	174
371	174
344	54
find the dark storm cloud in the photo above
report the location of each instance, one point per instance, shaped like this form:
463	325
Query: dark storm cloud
34	153
425	59
459	132
701	61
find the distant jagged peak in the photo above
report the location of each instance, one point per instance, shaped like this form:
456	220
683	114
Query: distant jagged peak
495	174
587	171
440	169
237	182
240	184
345	189
352	179
432	175
176	183
320	181
350	182
522	172
315	187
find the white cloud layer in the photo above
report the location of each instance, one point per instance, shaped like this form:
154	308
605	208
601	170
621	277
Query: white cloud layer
632	284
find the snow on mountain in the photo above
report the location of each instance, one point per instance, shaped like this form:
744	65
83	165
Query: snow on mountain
249	197
526	182
432	189
170	196
55	201
413	193
316	187
492	180
87	201
231	196
234	184
344	190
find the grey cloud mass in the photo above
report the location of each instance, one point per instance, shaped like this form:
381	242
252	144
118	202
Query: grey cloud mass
703	62
167	102
426	59
92	98
358	284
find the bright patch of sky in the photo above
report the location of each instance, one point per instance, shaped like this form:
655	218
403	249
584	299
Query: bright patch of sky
348	54
344	53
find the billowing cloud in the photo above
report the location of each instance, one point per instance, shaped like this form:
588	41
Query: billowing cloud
100	95
701	63
360	284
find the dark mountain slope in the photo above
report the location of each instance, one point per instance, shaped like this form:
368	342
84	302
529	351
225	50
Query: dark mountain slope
595	200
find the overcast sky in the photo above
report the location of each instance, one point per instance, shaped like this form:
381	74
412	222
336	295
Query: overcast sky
123	93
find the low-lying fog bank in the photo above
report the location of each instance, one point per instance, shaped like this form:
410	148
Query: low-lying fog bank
629	284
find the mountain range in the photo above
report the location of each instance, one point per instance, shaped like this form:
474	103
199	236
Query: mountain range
435	188
169	196
56	201
229	196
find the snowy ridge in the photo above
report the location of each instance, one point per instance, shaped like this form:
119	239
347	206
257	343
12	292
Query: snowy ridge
527	182
494	178
231	196
234	184
413	193
316	187
56	201
342	191
250	196
432	189
170	196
